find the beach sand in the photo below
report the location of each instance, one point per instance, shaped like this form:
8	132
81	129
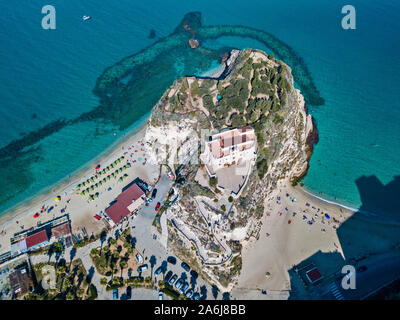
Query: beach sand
354	238
287	244
80	210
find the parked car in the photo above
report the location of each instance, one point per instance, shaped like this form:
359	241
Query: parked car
196	296
189	293
185	266
179	283
128	292
157	206
154	193
160	295
142	268
158	271
171	260
172	280
168	276
194	274
115	294
184	288
139	258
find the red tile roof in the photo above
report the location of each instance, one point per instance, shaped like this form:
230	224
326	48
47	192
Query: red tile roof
314	275
119	209
36	238
61	230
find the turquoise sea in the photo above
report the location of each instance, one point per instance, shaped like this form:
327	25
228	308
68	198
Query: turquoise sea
50	127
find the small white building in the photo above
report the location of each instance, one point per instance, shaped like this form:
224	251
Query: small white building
228	148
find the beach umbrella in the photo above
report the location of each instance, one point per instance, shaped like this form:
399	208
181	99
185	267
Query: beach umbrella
36	215
58	198
327	216
98	167
310	222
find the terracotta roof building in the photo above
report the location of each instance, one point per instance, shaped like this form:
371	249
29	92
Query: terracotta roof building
127	202
61	230
229	147
313	275
36	239
20	281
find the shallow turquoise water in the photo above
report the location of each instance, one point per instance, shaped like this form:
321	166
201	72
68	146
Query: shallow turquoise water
49	75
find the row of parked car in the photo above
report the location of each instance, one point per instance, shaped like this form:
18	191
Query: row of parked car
180	284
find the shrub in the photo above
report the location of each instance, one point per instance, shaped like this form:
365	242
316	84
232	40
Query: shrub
213	182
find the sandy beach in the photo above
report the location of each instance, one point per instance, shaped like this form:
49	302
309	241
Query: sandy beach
287	237
329	243
79	208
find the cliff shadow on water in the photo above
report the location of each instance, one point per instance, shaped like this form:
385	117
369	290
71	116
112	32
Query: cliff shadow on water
370	238
130	88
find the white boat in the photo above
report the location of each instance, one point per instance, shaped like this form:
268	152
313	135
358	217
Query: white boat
84	18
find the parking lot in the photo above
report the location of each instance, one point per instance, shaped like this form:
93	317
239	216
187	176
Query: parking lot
153	252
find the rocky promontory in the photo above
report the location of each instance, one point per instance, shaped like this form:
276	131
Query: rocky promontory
208	223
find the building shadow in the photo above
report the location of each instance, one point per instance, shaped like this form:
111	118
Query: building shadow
372	230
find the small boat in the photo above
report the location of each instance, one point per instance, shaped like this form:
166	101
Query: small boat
84	18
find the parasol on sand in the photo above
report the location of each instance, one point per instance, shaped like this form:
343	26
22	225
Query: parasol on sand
58	198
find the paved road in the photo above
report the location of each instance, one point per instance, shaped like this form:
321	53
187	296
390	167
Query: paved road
381	271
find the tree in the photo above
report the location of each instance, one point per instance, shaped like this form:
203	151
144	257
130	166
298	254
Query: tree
94	252
223	208
103	281
67	283
60	269
80	293
230	199
123	264
113	241
213	182
70	296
